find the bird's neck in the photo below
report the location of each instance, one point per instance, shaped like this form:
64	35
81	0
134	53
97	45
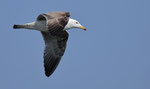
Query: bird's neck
69	24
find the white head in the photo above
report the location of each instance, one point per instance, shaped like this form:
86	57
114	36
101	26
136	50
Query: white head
73	24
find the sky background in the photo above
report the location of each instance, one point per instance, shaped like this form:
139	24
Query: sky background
114	52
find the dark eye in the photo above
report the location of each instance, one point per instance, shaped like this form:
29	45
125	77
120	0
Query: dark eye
77	23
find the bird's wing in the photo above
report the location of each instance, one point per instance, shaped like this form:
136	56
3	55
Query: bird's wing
55	38
54	50
55	21
57	25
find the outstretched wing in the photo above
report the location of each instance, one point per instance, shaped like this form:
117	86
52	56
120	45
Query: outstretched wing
54	49
55	38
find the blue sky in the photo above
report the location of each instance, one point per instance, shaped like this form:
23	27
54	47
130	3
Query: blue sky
114	52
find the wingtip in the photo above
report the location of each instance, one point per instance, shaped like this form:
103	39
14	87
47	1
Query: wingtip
47	74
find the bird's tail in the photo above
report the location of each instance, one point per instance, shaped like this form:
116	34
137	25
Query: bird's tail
18	26
25	26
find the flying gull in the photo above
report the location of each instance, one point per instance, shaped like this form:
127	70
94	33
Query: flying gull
53	26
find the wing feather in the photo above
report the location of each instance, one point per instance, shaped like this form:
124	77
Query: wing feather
54	50
55	38
55	21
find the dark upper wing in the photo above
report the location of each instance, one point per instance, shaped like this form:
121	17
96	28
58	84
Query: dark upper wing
54	50
55	39
56	21
57	25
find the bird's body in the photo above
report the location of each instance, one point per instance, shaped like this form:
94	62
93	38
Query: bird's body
53	27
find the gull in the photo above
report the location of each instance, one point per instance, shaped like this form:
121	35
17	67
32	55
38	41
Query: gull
53	27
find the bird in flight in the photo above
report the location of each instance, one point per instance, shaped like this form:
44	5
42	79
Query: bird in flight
53	27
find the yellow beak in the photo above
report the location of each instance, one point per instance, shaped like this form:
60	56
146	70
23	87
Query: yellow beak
83	28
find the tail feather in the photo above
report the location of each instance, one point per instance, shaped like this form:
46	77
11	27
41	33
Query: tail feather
18	26
25	26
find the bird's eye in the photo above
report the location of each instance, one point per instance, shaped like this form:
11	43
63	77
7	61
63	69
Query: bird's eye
77	23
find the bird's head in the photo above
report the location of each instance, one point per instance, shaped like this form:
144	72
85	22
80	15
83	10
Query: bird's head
73	24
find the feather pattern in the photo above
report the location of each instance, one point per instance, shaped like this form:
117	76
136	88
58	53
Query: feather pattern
55	38
54	50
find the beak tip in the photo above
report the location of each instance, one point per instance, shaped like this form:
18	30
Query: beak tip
83	28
